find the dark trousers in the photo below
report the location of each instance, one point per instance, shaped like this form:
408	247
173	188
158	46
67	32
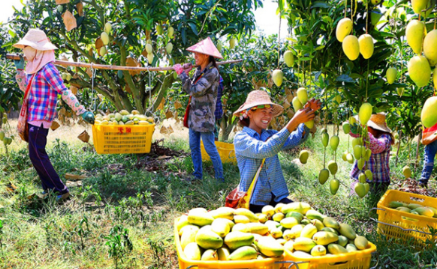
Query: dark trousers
40	160
258	208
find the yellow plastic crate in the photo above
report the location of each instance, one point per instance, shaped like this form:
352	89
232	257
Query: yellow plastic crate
123	139
225	150
272	263
354	260
402	225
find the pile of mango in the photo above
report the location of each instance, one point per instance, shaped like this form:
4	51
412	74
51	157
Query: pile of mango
416	209
123	118
227	234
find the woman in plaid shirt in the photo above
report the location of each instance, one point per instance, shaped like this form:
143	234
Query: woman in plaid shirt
256	143
380	141
45	85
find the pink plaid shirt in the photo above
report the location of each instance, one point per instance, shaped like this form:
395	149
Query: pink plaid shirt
379	160
43	95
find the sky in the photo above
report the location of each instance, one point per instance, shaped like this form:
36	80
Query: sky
266	19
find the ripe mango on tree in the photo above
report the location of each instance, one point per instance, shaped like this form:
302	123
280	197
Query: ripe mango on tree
429	115
366	45
277	77
415	33
289	58
430	47
419	70
391	75
108	28
344	27
365	113
351	47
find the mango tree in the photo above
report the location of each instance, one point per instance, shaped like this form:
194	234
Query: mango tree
10	94
131	33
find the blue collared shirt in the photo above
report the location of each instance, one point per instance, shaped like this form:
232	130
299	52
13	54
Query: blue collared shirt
251	148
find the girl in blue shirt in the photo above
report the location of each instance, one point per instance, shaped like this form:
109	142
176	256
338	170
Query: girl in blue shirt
255	143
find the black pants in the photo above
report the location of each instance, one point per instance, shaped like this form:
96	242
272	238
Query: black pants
258	208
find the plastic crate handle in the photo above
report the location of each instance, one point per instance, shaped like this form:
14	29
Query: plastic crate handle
393	225
292	263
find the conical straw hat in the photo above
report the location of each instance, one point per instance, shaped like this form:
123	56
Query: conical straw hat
206	47
36	39
257	98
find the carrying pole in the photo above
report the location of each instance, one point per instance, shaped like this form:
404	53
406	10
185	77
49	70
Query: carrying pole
114	67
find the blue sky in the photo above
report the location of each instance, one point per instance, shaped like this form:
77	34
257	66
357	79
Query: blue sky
266	19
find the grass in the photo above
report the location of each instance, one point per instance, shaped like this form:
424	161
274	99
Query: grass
123	217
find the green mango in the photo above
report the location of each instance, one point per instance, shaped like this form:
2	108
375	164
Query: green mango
303	156
323	175
325	139
296	104
360	190
334	141
362	178
334	185
350	158
344	156
346	127
360	163
367	155
357	141
369	175
333	167
357	151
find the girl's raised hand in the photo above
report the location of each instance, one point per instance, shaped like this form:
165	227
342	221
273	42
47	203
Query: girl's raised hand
304	115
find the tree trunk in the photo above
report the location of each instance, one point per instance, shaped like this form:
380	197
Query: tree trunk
226	125
399	147
417	150
168	81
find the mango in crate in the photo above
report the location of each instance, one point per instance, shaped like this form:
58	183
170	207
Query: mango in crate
223	254
269	247
210	255
193	252
208	240
244	253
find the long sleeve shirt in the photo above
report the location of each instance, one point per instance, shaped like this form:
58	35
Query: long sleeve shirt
379	160
43	95
251	148
203	92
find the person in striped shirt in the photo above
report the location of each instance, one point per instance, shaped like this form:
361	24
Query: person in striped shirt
380	141
255	143
45	86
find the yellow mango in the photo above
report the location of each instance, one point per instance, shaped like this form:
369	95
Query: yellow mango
366	45
344	27
419	70
351	47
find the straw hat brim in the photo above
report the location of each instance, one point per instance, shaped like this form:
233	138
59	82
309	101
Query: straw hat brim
376	126
277	109
43	46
